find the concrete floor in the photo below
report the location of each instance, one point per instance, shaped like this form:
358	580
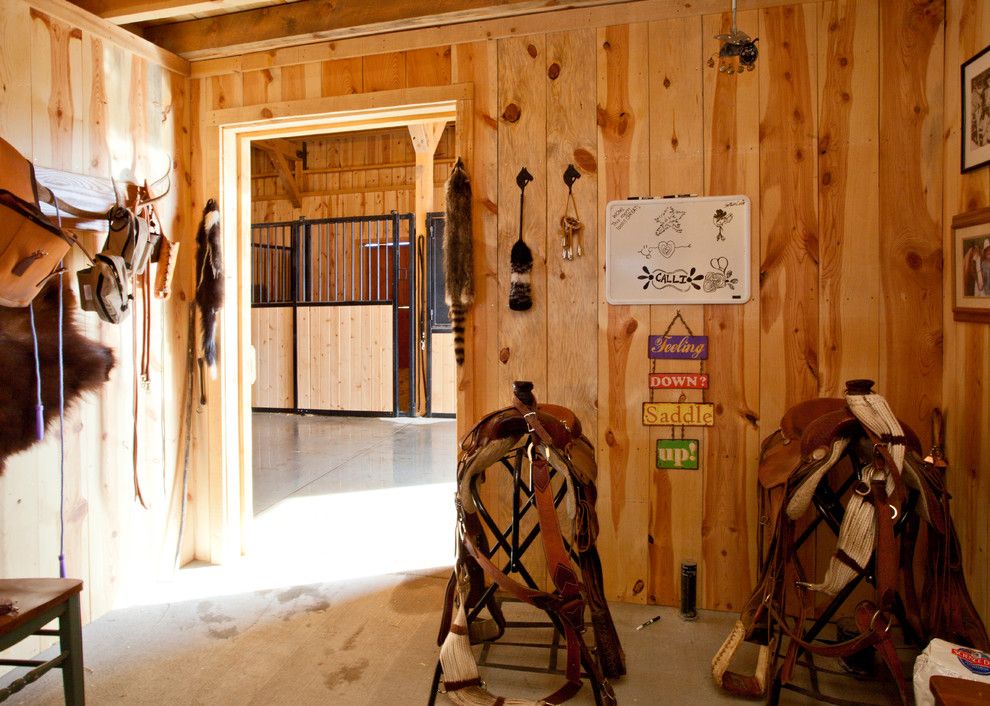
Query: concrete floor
339	599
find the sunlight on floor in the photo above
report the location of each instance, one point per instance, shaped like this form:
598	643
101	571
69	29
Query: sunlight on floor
322	538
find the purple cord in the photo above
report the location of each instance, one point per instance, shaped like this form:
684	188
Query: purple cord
39	408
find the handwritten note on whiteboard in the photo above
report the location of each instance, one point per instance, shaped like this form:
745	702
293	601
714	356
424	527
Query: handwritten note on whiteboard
685	250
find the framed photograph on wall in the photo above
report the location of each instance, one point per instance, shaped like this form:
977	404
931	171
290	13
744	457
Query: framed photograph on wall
971	266
975	128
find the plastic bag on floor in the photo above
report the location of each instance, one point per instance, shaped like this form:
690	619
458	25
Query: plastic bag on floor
941	657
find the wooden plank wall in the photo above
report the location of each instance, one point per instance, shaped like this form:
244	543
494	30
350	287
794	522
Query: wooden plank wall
72	99
443	382
354	174
345	358
842	268
271	336
967	346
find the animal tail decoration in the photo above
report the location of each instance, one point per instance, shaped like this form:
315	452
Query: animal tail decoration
521	257
209	279
457	253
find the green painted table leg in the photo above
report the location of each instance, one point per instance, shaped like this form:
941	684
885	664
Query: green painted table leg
70	640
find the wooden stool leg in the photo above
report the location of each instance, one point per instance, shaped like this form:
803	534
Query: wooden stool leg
70	640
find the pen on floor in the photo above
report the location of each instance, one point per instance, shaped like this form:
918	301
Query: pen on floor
648	622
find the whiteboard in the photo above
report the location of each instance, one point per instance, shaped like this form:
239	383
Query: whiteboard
681	250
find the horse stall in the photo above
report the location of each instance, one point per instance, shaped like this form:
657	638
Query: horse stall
330	315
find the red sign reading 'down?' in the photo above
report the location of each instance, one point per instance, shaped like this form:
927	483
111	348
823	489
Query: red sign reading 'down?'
678	381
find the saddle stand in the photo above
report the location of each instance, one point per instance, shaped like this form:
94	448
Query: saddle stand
852	465
547	440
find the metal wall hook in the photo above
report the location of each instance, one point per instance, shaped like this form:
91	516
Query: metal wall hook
571	175
523	178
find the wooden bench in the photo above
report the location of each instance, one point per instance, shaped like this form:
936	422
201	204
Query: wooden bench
39	602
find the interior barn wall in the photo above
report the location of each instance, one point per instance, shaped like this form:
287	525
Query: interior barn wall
73	98
967	345
353	174
836	137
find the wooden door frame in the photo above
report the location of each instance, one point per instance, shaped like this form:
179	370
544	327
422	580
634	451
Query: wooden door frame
224	162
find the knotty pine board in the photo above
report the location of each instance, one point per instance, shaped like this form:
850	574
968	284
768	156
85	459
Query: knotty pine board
789	363
522	335
478	379
572	136
677	165
732	165
623	442
848	193
910	219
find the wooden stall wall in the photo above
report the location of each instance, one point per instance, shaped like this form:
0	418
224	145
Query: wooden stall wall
81	96
835	137
967	345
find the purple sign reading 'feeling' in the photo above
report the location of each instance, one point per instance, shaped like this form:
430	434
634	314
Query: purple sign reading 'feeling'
680	347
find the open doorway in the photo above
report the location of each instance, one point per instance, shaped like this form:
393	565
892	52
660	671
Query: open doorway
336	321
333	298
225	437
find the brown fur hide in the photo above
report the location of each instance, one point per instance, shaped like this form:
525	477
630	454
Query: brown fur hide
87	366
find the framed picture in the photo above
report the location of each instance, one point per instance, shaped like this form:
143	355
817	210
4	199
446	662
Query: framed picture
976	111
971	266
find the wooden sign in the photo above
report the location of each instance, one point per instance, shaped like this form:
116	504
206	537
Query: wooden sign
679	347
679	414
678	381
677	453
684	250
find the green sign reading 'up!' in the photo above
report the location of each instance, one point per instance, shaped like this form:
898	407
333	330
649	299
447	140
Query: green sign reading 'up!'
677	453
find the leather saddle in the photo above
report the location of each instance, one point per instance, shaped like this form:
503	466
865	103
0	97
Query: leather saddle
562	463
853	450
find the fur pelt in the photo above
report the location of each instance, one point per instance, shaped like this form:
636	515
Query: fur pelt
520	289
87	366
209	279
457	250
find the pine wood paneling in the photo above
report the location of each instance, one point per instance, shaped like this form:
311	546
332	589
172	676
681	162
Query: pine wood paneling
522	335
623	442
677	166
849	193
443	389
478	381
910	219
428	67
345	358
732	166
572	317
271	336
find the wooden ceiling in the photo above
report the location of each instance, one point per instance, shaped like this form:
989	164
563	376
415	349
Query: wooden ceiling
204	29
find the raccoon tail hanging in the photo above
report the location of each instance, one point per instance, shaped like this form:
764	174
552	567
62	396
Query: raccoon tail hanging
457	315
209	318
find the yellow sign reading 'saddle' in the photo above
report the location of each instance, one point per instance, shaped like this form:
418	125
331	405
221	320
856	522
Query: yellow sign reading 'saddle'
687	414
